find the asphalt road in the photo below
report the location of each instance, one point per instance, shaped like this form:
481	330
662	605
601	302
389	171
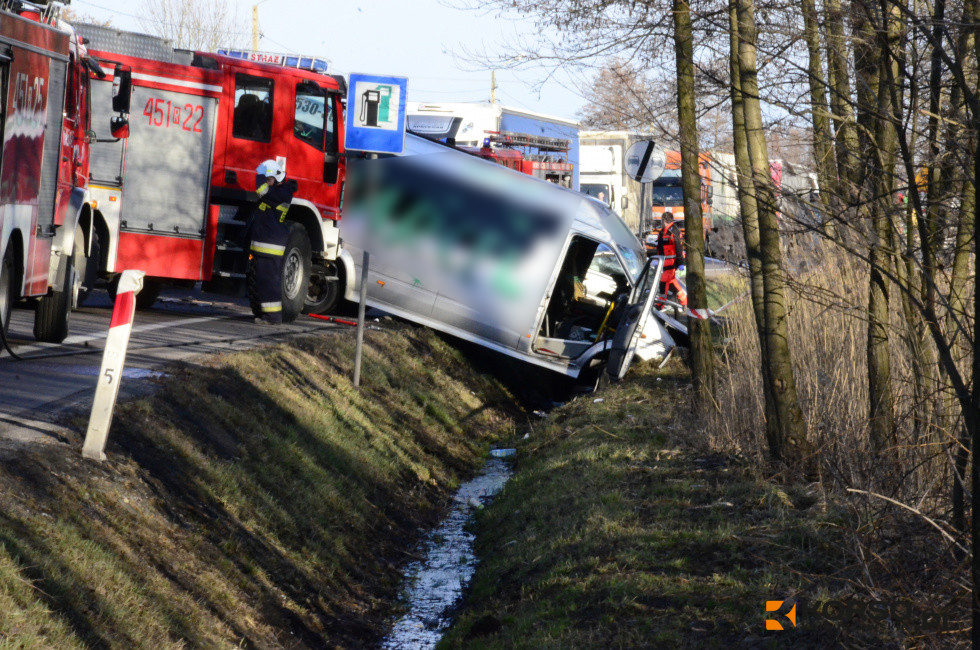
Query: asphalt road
55	380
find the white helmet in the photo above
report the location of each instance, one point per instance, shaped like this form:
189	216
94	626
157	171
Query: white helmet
271	168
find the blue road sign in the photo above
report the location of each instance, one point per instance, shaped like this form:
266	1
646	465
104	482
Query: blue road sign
376	113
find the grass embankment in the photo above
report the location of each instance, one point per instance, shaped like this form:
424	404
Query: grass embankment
259	500
614	533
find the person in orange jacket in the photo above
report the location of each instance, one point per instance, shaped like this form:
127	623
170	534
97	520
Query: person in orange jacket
670	245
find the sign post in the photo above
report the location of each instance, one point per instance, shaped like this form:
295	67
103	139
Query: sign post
376	109
113	359
361	308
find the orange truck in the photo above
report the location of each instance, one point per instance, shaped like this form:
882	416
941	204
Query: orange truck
668	196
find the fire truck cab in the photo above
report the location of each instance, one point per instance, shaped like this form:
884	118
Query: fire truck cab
175	199
45	118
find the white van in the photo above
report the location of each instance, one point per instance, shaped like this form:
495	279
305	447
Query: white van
498	258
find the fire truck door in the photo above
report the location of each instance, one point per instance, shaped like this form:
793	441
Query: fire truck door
314	147
52	164
106	163
168	163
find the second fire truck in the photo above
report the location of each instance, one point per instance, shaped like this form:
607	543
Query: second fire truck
173	200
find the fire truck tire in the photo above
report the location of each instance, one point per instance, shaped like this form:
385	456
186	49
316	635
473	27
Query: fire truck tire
146	298
91	275
80	263
296	263
54	310
295	275
322	296
8	288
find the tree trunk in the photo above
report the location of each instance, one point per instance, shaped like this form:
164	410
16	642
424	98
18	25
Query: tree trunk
877	135
790	443
840	102
702	363
750	223
823	149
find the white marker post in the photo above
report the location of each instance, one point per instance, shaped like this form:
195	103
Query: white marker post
113	360
361	308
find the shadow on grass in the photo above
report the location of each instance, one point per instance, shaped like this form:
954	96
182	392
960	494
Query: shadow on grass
259	501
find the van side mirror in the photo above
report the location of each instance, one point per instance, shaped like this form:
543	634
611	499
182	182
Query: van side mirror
122	88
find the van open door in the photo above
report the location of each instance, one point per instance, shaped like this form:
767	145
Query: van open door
634	320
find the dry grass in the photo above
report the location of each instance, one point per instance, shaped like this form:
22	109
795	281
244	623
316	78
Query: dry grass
256	500
900	552
615	533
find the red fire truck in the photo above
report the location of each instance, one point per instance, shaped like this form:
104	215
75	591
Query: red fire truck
539	156
173	200
45	210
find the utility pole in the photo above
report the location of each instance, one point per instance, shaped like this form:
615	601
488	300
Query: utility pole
255	26
493	86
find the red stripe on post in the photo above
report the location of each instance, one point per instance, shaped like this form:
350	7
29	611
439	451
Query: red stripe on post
125	307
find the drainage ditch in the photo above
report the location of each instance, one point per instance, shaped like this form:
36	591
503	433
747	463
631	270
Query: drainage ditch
435	586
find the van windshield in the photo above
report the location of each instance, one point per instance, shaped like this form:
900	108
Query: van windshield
634	261
629	246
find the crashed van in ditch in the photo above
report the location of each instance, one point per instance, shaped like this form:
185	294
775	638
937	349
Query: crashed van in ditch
500	259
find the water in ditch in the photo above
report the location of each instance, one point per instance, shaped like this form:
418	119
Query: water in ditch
436	584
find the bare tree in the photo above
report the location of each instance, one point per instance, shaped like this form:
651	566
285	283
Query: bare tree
623	97
195	24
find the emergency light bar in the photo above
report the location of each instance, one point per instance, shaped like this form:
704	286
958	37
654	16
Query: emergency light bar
312	63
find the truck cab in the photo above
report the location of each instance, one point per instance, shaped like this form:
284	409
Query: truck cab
175	201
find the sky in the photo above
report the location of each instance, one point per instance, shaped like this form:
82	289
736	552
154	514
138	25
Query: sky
424	40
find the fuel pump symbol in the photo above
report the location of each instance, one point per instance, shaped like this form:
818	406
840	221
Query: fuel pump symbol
385	106
370	101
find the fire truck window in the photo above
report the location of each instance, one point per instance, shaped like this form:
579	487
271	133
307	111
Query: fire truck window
253	108
71	92
311	113
331	142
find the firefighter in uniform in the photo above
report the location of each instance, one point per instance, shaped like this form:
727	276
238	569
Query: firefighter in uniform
670	246
269	235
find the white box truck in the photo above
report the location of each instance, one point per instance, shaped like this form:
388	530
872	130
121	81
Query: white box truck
602	172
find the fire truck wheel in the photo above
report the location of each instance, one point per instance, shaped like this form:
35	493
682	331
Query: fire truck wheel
80	262
322	295
147	296
54	310
295	272
8	288
91	275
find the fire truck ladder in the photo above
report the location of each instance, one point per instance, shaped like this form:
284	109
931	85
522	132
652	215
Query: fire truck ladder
541	143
